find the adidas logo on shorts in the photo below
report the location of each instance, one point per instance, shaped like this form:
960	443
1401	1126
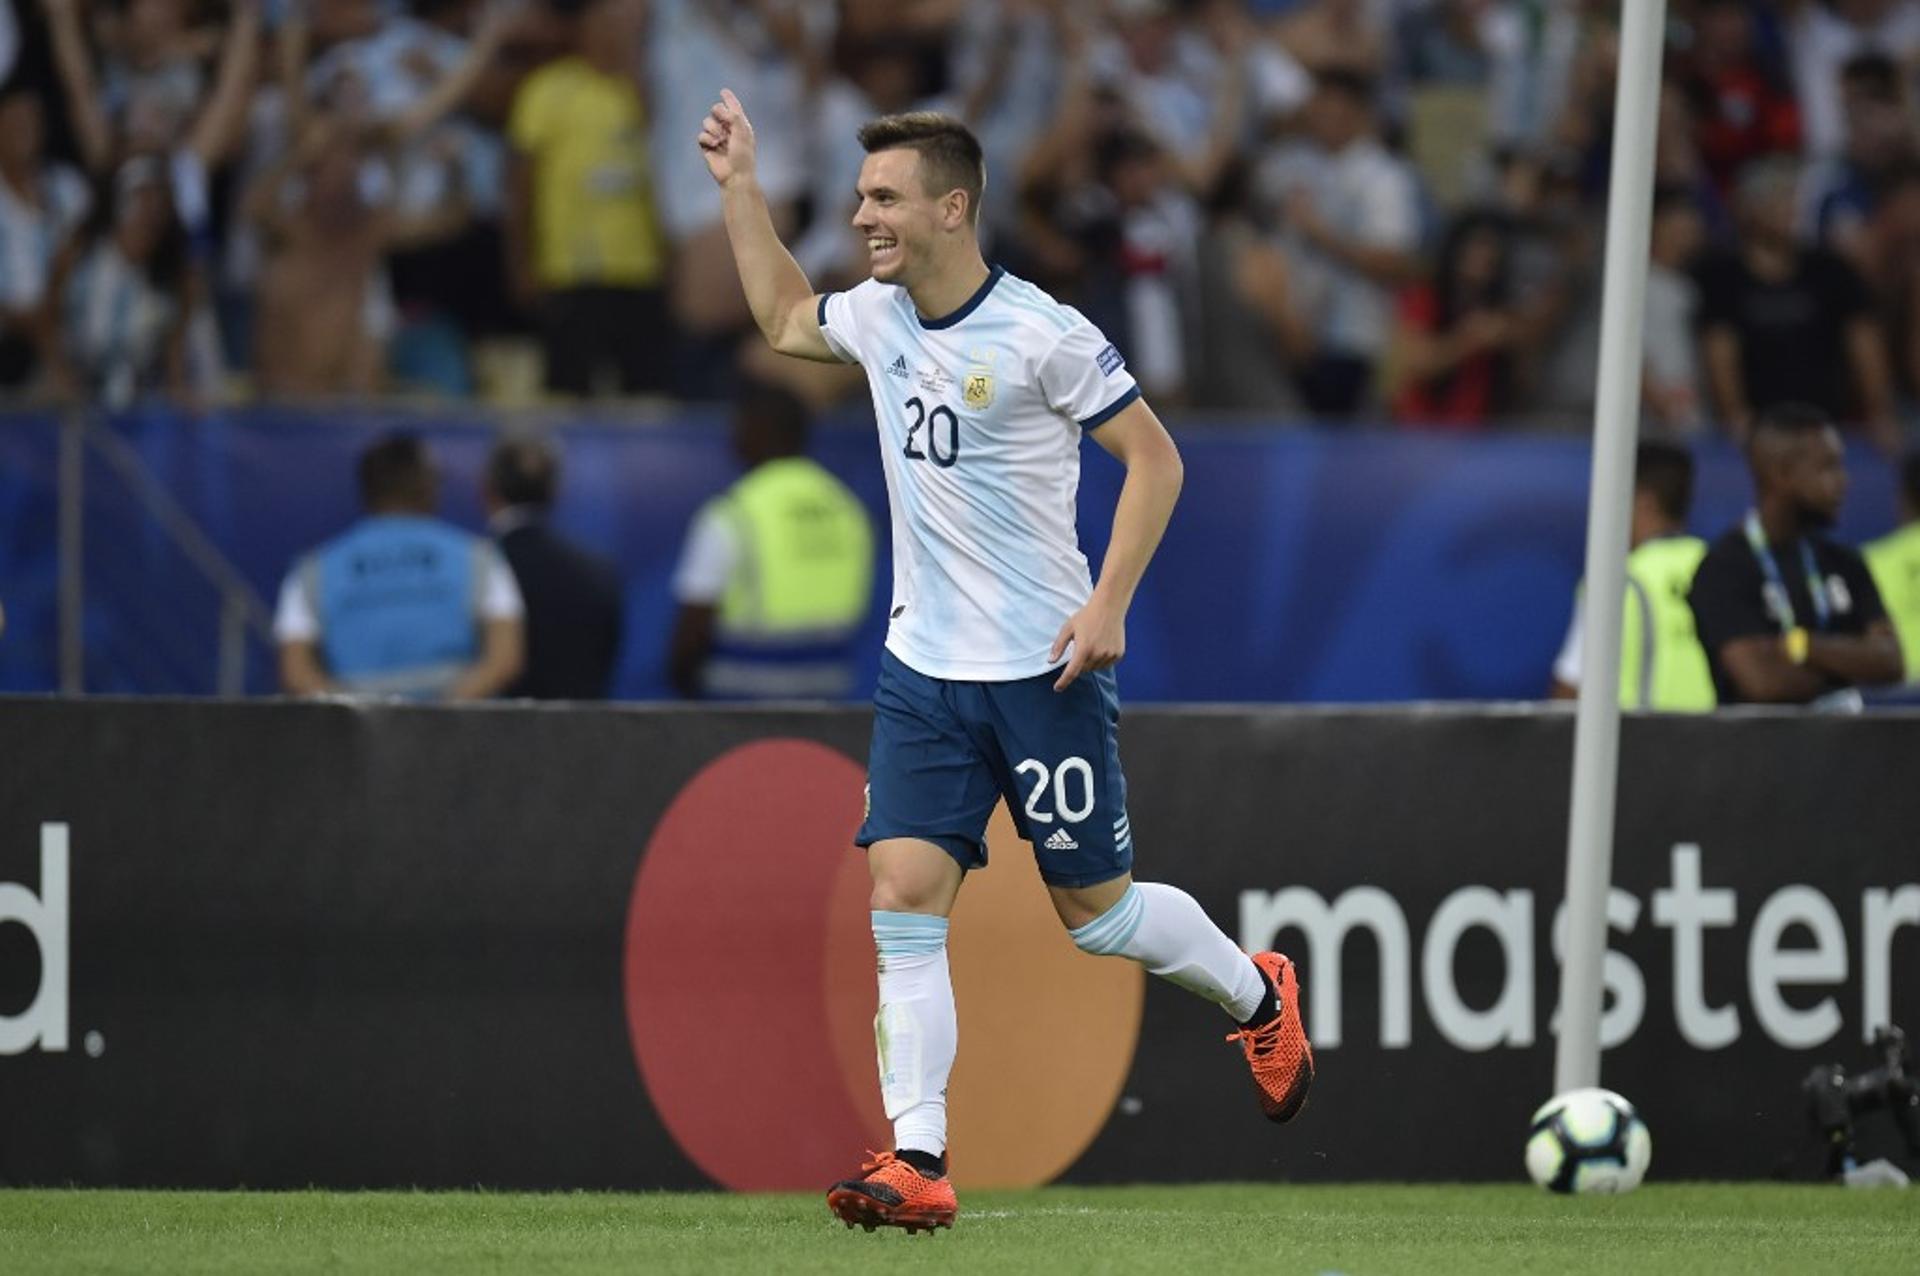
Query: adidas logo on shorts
1061	842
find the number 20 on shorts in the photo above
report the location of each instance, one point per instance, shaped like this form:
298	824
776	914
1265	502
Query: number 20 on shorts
1063	806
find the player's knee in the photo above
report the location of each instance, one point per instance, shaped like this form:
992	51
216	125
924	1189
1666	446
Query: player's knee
1103	932
899	897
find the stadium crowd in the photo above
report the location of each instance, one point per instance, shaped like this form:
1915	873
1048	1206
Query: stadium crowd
1378	209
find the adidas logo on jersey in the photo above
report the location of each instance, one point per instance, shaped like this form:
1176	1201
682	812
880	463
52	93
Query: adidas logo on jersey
898	367
1061	842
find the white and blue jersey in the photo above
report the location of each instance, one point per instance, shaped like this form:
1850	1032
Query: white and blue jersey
980	416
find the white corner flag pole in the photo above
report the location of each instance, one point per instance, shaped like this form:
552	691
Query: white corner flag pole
1596	742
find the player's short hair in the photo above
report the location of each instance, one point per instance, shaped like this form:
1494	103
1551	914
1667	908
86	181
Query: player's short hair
1781	429
396	470
523	472
950	155
1666	470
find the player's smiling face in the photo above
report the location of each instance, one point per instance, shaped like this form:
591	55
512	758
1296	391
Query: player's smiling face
897	217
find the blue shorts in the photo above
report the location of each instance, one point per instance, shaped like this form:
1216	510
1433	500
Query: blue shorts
945	752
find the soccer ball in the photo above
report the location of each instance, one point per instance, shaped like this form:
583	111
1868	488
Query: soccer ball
1588	1141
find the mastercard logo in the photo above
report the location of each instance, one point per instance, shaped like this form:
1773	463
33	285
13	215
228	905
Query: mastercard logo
750	989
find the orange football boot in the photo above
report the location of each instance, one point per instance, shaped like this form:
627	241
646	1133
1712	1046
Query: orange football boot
891	1193
1277	1051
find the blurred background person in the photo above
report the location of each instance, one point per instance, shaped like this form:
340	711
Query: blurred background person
1894	560
1673	397
583	236
124	294
401	603
766	51
1352	220
1663	667
1456	336
1839	192
572	598
325	311
1785	323
777	572
42	204
1787	614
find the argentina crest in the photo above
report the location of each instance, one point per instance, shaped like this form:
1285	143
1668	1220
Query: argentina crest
976	389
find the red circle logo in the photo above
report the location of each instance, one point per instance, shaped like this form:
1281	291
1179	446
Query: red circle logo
750	989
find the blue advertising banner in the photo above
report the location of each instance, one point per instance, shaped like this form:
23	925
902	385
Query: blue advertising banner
1302	564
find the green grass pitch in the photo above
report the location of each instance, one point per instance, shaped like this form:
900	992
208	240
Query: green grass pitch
1234	1227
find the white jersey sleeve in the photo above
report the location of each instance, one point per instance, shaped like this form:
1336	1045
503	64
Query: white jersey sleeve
1083	375
842	321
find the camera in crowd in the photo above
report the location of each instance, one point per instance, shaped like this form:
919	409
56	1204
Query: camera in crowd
1835	1100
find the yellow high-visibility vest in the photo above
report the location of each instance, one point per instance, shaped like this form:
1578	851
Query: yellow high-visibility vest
1662	664
1895	563
806	555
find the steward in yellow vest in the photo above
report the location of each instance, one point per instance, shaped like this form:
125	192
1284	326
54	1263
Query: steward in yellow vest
1894	560
1662	664
777	574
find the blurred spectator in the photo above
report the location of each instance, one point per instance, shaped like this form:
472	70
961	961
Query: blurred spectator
351	187
42	204
324	308
1662	664
151	111
1894	561
1744	107
1248	332
1783	323
1158	226
1839	193
1889	250
582	233
572	598
401	81
1674	399
1335	35
1069	238
1823	36
1192	83
777	572
123	295
400	603
760	49
1457	333
1352	221
1787	614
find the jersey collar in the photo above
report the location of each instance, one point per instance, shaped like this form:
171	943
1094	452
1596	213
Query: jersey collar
967	307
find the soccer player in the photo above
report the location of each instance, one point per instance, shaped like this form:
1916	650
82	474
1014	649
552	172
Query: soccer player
997	676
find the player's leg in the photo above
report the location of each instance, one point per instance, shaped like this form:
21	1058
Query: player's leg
928	800
916	1030
1165	929
1071	796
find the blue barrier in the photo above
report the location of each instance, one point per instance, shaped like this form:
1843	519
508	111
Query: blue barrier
1302	565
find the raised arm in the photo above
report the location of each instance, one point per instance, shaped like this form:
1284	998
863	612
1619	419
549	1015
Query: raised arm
452	90
782	301
224	118
91	127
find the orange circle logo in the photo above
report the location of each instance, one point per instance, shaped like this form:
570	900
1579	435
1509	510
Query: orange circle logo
750	989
